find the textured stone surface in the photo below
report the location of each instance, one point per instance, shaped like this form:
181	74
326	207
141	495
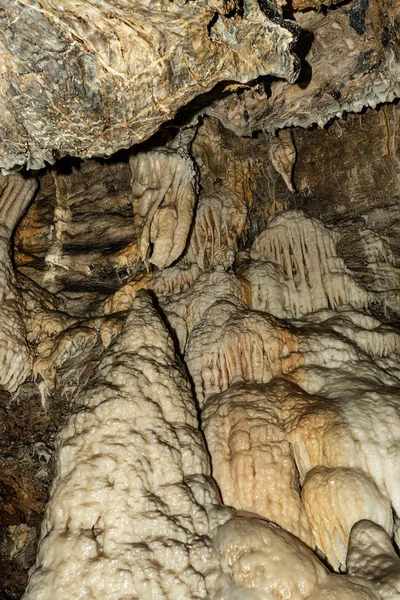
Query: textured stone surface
351	60
90	78
346	174
272	261
314	4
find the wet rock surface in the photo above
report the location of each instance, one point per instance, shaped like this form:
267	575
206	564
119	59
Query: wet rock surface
262	363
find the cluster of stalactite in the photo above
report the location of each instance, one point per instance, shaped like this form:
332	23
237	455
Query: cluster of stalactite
269	352
231	388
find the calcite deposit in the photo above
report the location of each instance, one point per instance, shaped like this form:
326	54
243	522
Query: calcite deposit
199	300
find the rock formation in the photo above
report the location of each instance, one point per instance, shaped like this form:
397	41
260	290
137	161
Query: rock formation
199	300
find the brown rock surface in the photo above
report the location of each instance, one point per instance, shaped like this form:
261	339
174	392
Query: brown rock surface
87	79
27	443
351	59
79	240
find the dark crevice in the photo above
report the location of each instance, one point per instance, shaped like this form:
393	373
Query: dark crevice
211	24
301	49
357	16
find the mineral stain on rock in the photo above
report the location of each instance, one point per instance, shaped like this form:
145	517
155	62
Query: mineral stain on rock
357	15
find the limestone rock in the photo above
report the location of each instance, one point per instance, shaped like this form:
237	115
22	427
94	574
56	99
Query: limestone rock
89	79
352	60
372	556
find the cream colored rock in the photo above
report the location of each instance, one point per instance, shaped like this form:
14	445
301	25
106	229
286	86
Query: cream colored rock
371	556
369	334
338	587
335	400
163	198
167	282
220	220
183	292
251	458
130	512
336	499
261	561
175	280
29	316
315	4
354	428
315	276
185	310
124	297
222	211
282	153
312	401
270	290
221	162
232	343
70	343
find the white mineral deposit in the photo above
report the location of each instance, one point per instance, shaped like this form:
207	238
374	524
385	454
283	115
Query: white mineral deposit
199	300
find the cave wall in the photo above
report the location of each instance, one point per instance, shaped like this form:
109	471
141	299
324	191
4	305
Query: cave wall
200	302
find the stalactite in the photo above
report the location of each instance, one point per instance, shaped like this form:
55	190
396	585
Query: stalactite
283	155
315	276
220	220
222	211
231	410
163	198
232	343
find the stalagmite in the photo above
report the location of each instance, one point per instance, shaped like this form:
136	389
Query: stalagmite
372	557
184	294
261	561
336	499
254	429
206	393
189	305
252	460
128	510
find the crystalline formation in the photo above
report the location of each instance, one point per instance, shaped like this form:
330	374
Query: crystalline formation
232	428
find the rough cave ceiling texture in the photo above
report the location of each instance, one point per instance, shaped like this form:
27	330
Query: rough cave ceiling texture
200	300
89	78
